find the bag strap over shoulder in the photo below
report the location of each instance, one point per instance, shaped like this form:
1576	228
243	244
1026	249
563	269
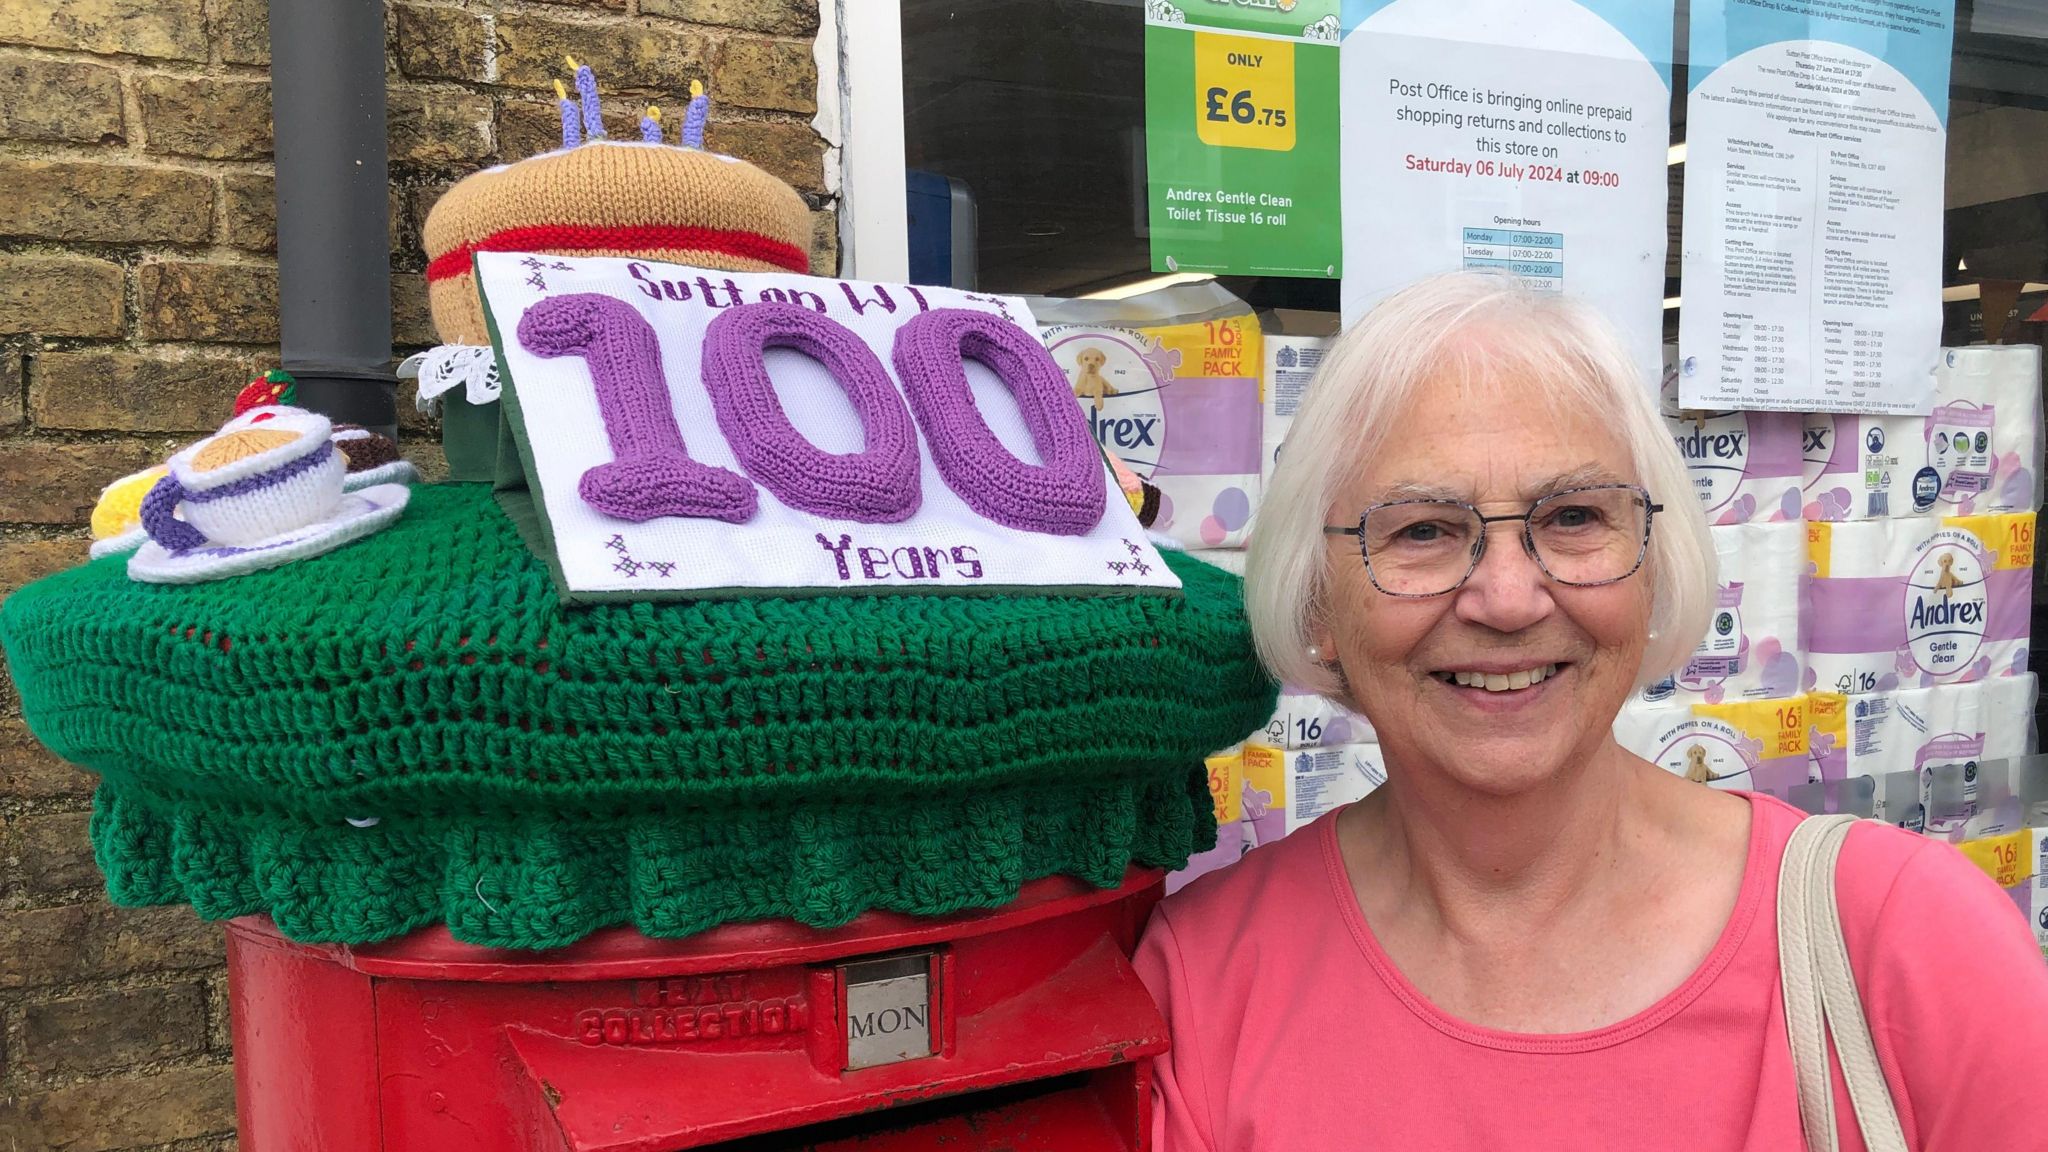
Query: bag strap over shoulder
1820	989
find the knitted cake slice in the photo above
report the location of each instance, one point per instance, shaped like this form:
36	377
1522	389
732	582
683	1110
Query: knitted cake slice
413	729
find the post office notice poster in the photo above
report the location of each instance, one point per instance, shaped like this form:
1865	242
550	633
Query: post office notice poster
1528	136
1815	137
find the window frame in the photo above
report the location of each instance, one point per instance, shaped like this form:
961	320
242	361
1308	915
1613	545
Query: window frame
865	75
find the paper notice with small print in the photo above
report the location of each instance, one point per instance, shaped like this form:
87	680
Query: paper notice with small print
1815	137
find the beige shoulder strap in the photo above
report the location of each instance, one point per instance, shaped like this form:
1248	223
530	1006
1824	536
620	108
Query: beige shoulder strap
1820	988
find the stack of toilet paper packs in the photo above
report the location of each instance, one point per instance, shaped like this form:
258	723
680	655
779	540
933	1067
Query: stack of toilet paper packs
1872	619
1872	616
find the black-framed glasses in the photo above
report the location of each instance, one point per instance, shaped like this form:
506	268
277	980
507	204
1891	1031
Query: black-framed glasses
1583	537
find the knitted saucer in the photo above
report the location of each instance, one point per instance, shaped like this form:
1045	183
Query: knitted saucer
413	730
354	516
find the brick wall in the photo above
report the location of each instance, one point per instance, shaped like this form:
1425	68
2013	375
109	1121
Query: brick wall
138	283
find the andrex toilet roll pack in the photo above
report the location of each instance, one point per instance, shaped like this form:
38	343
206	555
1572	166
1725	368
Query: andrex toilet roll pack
1169	384
1861	467
1745	466
1751	650
1916	730
1983	438
1753	745
1917	601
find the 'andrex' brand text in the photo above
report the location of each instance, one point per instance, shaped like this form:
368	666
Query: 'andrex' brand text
1697	445
1124	431
1925	615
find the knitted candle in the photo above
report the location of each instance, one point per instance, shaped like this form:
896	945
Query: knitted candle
586	93
700	111
572	117
650	126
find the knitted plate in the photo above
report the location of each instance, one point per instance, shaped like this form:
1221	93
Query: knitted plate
412	729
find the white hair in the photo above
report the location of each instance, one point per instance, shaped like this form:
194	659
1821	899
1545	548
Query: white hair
1557	347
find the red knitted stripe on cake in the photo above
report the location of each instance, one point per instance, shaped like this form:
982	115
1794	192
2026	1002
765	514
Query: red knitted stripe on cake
630	239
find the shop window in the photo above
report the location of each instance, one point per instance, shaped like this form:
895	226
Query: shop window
1024	141
1024	130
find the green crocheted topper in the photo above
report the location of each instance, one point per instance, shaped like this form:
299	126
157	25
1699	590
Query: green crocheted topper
413	729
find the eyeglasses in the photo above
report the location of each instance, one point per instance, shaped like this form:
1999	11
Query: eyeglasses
1583	537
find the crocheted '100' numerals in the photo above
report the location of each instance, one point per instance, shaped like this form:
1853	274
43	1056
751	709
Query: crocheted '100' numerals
652	473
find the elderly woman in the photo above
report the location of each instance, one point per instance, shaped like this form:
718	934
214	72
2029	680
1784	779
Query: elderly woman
1481	537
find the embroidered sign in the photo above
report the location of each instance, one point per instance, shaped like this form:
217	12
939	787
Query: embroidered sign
680	431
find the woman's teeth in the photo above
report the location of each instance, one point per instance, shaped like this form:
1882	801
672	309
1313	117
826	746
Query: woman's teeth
1497	681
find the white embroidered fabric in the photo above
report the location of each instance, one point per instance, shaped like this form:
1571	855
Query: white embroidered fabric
441	369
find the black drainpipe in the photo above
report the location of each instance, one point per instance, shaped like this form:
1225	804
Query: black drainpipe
333	230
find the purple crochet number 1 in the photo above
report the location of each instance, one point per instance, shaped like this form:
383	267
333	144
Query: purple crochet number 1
651	473
1065	495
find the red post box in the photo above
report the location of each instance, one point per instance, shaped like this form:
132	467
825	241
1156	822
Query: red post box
1021	1028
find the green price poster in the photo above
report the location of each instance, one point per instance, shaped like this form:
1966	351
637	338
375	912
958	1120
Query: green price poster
1241	144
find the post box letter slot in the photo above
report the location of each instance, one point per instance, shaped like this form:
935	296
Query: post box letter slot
888	1010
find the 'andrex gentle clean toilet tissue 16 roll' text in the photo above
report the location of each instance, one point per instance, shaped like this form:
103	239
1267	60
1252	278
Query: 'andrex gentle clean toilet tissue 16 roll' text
1917	730
1745	466
1751	649
1916	601
1984	435
1754	745
1860	467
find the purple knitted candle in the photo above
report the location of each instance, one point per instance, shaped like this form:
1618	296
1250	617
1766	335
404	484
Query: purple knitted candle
572	118
699	112
650	126
586	91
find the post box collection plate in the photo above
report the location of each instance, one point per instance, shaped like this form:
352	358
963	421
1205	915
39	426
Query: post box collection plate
888	1010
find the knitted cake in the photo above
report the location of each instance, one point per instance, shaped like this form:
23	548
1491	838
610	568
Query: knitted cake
601	197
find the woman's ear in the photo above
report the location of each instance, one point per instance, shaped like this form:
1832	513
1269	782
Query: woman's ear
1322	645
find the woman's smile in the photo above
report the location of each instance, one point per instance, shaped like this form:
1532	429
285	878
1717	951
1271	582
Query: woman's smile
1501	686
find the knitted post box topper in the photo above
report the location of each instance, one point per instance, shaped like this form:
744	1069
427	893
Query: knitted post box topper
414	730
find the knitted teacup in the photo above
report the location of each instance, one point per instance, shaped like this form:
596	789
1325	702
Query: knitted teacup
268	472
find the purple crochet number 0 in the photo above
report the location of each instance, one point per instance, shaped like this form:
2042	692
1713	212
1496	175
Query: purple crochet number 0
877	485
651	473
1063	496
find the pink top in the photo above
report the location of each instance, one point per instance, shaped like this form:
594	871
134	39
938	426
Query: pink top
1293	1030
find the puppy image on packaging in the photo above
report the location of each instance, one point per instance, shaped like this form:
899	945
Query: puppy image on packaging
1089	382
1755	745
1946	583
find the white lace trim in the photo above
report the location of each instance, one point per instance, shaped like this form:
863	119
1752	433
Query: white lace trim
441	369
